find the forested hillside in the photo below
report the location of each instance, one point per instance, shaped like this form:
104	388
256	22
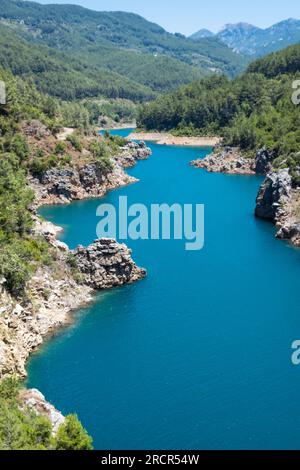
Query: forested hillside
63	76
252	111
113	45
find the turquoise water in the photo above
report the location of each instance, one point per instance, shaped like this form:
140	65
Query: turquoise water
198	354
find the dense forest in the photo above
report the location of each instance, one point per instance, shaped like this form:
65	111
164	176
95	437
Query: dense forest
63	76
91	51
252	111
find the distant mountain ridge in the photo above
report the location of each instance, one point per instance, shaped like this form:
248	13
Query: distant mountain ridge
253	41
118	43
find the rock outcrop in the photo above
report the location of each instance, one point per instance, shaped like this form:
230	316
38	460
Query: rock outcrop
263	161
106	264
91	180
230	160
36	402
273	195
279	202
133	152
54	293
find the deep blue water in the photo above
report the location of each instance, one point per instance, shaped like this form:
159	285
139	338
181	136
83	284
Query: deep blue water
198	354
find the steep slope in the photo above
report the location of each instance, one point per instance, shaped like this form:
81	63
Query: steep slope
252	41
101	36
60	75
252	111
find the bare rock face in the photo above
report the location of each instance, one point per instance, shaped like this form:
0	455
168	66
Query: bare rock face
133	152
228	160
273	194
106	264
263	161
36	402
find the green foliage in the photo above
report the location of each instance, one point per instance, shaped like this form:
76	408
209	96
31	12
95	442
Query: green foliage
252	111
75	142
74	53
22	429
285	61
72	436
60	148
101	153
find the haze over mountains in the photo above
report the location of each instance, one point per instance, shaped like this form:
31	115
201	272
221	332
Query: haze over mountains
253	41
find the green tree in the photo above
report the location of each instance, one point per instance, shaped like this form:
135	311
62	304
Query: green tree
72	436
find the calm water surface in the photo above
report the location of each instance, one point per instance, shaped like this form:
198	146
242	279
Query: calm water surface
198	354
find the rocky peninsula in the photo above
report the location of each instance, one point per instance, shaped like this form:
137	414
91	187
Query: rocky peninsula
230	160
278	200
87	179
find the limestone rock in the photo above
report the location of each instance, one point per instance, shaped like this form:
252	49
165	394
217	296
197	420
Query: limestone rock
106	264
225	160
274	192
263	161
35	401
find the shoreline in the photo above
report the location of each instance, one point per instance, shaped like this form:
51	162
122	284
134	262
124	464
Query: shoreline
56	296
128	125
162	138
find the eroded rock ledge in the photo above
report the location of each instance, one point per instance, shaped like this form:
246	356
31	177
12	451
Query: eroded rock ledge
229	160
106	264
279	202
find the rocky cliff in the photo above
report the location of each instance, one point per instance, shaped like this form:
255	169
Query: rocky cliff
63	185
278	202
106	264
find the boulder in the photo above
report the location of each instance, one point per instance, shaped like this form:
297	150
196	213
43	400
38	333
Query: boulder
106	264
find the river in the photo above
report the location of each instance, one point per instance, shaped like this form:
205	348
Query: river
198	355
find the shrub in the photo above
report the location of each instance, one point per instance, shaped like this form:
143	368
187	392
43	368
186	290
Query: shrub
75	142
60	148
72	436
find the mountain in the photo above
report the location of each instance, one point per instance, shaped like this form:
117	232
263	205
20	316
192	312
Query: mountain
252	41
241	37
203	33
123	44
62	76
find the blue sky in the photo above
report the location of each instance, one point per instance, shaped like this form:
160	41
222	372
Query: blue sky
188	16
